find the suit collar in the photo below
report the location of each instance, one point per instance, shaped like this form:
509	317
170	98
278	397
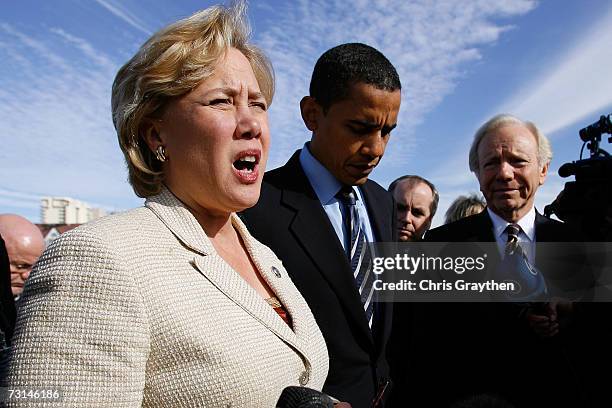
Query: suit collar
179	220
324	184
483	227
544	229
381	227
547	230
228	281
312	229
527	224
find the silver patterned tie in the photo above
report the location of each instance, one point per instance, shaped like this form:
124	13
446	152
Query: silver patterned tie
532	285
358	251
512	244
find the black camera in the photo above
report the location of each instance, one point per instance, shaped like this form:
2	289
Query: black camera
586	203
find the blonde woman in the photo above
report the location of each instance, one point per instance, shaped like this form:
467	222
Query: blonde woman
175	304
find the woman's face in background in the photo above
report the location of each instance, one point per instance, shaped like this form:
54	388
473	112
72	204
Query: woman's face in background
216	139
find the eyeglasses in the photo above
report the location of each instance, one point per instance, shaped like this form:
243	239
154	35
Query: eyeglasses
21	268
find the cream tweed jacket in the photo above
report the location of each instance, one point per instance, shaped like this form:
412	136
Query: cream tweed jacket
137	309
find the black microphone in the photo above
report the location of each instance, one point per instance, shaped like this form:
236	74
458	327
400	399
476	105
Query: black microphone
302	397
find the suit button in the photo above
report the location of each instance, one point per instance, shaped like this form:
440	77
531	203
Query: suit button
276	272
304	377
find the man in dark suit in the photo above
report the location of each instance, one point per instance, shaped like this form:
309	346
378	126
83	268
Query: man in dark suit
530	356
21	243
319	211
7	305
7	310
417	201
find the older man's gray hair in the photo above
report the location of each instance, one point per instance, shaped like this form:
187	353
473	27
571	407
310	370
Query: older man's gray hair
498	121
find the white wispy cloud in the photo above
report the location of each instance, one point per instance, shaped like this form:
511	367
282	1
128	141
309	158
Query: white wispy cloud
429	42
578	84
10	200
100	59
55	84
57	132
18	40
123	14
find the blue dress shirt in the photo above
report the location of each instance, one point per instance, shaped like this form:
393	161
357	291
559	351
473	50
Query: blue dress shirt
326	186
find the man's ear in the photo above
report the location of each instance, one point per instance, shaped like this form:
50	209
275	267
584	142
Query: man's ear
543	173
150	131
310	112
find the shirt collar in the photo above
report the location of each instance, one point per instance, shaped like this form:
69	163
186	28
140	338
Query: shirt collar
325	185
527	224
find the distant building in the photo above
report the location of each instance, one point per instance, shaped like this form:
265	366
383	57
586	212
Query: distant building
64	210
95	213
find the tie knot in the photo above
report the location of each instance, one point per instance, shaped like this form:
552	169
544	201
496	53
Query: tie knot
513	230
512	243
346	195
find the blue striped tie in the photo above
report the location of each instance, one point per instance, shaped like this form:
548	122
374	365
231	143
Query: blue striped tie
358	252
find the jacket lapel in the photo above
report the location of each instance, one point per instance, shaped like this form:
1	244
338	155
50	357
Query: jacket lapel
380	225
483	232
312	229
228	281
207	262
383	227
178	219
547	230
483	228
275	275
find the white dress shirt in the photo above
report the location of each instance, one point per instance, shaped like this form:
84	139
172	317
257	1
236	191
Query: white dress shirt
526	237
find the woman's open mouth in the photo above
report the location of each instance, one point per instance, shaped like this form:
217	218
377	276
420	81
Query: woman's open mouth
246	166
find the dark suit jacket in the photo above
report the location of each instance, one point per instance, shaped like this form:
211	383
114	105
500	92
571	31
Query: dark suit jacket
290	219
7	310
473	348
7	305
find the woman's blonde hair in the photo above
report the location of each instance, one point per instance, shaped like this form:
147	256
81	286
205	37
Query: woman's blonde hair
464	206
170	64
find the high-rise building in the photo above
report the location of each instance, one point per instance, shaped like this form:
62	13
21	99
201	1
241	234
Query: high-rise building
64	210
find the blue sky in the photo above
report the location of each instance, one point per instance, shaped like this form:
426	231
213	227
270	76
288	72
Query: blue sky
460	62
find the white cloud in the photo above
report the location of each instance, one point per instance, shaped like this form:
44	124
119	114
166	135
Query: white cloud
33	45
55	84
429	42
57	132
577	86
17	199
98	58
124	15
